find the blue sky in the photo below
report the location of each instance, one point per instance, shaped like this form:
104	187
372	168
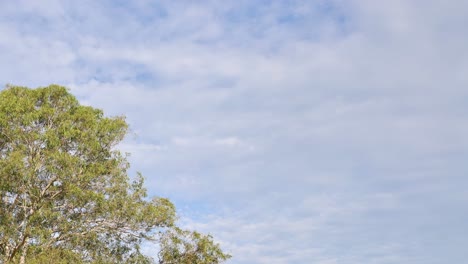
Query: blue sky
293	131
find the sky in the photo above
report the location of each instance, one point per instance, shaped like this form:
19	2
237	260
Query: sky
326	131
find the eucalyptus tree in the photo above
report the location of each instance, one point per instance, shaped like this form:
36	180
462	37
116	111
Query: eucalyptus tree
65	194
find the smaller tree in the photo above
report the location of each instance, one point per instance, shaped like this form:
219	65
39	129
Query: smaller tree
185	247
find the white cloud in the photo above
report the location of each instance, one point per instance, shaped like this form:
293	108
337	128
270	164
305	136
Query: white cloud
327	132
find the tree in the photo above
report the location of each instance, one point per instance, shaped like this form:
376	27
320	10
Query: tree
65	193
184	247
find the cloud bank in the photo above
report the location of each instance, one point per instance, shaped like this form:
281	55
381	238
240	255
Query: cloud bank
293	131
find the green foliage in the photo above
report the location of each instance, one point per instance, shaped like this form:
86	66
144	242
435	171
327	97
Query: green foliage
185	247
65	195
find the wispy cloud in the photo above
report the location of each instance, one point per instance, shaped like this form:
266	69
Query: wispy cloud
293	131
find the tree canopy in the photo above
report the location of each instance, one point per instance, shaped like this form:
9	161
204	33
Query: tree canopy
65	193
